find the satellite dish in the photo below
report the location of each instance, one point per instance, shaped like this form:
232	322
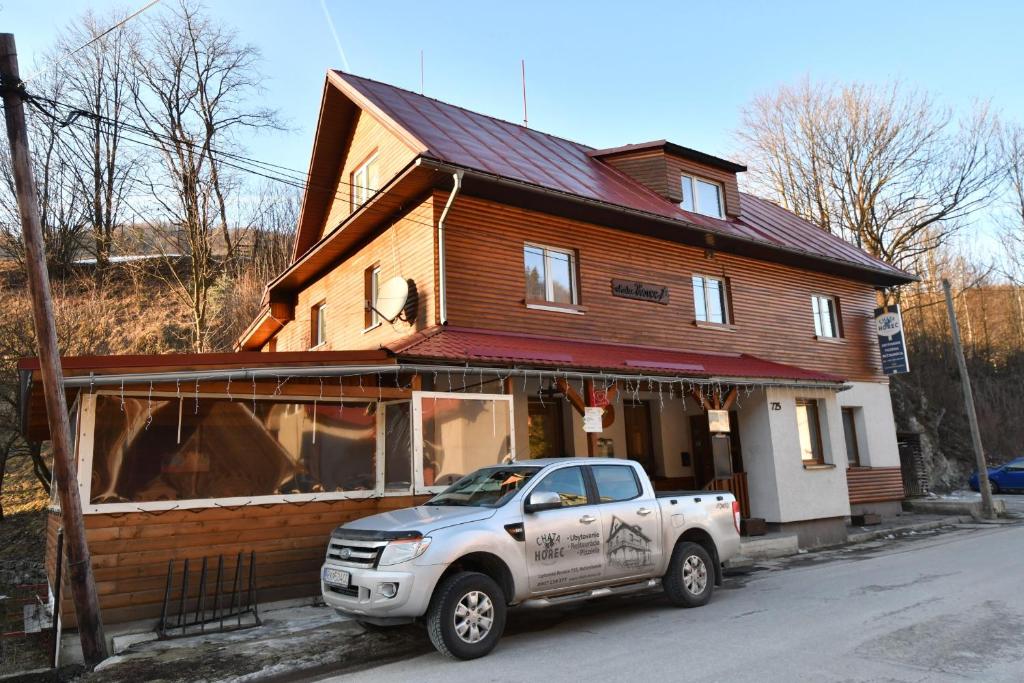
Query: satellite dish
392	295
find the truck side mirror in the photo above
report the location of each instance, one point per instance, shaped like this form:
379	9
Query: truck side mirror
543	500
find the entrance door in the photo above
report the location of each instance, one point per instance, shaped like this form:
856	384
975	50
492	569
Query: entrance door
639	439
703	448
545	428
563	546
703	457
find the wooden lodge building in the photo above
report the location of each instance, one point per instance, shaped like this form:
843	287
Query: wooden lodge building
546	281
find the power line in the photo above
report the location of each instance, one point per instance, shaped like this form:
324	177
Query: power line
87	44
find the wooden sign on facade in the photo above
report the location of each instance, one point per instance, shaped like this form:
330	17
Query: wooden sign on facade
640	291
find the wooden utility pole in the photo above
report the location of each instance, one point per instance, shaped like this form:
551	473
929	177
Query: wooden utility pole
83	586
972	417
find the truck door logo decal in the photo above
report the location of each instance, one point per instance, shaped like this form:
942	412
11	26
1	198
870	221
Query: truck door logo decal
550	548
628	546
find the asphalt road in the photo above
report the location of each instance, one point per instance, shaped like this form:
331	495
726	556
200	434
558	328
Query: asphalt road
943	607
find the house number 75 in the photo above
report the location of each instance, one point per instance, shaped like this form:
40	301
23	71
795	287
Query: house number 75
776	405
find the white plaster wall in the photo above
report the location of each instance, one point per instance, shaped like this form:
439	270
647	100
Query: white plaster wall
807	493
759	456
876	428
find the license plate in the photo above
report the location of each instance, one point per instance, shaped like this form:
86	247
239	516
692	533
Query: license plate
337	577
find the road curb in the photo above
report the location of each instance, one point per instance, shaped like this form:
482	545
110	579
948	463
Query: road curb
875	534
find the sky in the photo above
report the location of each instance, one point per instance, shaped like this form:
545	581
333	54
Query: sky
601	73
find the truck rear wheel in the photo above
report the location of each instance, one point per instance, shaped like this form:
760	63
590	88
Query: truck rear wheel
466	616
690	578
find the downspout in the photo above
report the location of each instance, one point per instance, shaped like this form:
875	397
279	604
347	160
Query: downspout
441	277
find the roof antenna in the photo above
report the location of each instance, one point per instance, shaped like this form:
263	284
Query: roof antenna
421	71
526	120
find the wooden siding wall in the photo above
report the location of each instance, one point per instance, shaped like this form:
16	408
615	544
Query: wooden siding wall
406	249
874	484
660	172
647	168
771	303
130	552
368	137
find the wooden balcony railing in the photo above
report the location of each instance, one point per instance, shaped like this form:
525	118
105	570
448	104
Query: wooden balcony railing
737	486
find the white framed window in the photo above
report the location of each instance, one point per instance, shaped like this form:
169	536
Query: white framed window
456	433
550	275
365	181
808	424
162	451
826	320
372	286
710	300
317	325
701	196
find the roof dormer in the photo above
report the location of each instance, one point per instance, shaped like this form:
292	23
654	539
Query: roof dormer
696	181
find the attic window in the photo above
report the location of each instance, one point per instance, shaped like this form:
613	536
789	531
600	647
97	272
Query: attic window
701	196
365	182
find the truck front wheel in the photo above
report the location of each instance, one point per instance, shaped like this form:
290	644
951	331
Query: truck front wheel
690	578
466	616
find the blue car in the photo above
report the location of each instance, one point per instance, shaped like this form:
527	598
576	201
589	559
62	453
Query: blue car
1006	477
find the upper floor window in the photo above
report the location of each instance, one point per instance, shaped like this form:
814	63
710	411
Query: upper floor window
702	196
550	275
365	181
826	320
318	325
709	300
371	284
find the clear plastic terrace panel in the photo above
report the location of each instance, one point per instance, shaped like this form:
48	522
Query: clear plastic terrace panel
170	449
459	433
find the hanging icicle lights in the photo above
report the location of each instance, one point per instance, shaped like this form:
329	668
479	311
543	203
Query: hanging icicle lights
473	380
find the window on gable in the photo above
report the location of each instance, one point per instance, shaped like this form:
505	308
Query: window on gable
371	284
550	275
826	316
701	196
365	181
710	300
317	325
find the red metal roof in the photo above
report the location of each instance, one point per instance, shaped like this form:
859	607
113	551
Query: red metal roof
521	350
458	136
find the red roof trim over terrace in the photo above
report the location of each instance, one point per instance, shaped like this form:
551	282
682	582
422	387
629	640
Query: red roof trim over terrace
483	346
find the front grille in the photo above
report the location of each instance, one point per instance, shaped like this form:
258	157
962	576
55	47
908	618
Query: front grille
354	553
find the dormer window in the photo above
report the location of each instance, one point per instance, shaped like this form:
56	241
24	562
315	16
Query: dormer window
701	196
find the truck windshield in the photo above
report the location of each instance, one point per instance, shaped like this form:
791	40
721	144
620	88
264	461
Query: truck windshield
490	487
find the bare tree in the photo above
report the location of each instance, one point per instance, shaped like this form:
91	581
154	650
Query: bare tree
238	294
195	95
884	167
61	212
98	87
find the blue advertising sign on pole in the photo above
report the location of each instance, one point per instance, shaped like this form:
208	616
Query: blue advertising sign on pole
891	342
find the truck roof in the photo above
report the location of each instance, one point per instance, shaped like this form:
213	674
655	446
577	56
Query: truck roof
544	462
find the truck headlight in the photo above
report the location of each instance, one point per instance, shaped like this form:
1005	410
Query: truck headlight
396	552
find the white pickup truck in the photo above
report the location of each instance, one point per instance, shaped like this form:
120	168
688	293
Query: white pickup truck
537	532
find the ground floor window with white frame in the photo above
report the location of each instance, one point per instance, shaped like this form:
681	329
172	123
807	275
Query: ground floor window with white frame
456	433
